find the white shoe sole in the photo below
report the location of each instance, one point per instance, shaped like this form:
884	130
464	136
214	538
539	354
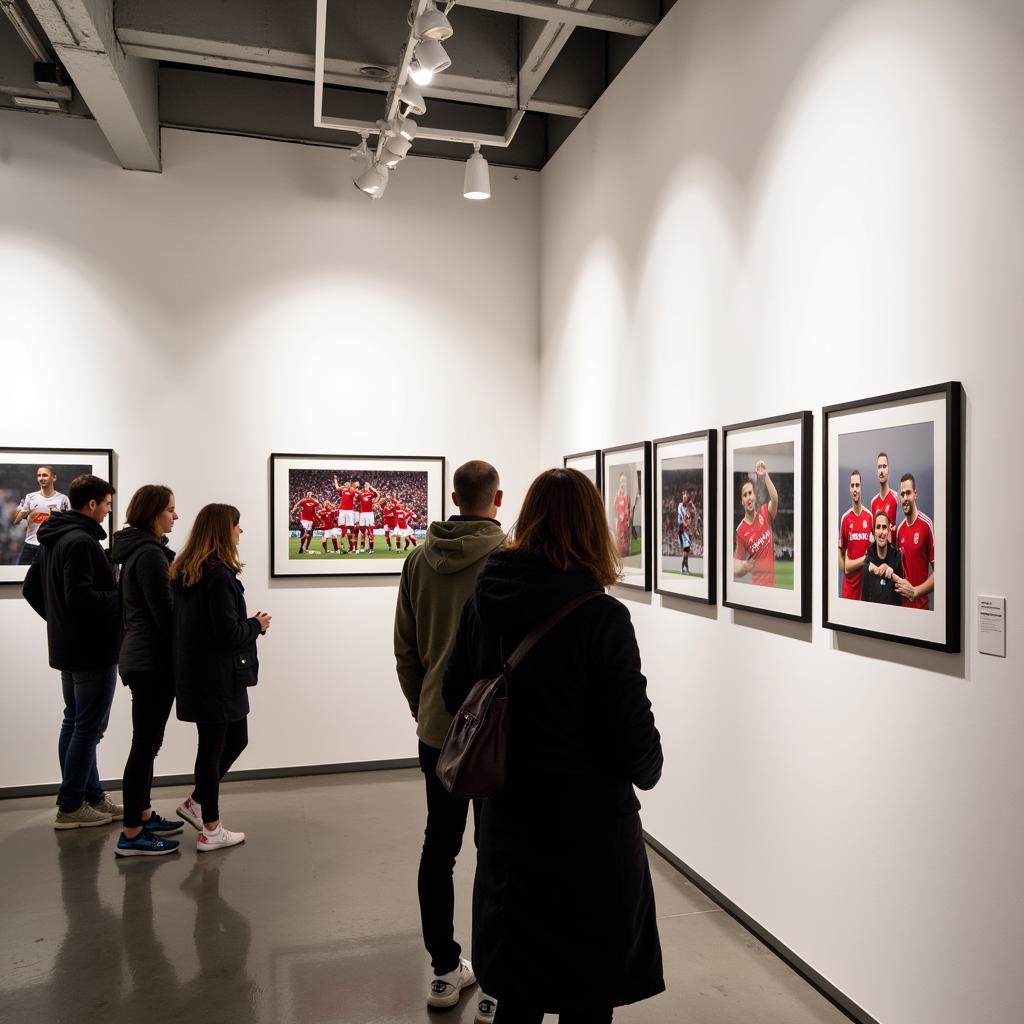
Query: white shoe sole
209	847
188	816
63	826
144	853
446	1001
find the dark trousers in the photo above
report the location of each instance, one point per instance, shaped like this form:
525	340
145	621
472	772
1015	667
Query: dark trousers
152	697
220	743
88	695
513	1013
28	553
442	841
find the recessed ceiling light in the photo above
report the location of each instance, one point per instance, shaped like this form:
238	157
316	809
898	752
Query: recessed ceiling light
34	102
374	71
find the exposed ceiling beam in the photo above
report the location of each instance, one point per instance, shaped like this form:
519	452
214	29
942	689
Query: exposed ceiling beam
542	49
560	13
120	89
25	31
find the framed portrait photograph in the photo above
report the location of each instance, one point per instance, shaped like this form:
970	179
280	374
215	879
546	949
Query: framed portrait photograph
685	484
626	471
33	486
350	515
766	513
588	463
892	530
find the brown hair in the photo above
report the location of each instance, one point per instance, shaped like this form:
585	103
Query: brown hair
149	501
475	484
874	519
211	540
563	519
85	488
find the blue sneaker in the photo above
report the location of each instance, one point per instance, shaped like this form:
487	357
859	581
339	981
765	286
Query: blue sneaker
145	844
162	826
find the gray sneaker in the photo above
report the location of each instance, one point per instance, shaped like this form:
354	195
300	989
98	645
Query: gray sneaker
84	817
107	806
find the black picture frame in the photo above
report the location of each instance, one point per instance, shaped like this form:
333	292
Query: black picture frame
799	608
594	454
644	491
98	461
710	525
881	413
370	566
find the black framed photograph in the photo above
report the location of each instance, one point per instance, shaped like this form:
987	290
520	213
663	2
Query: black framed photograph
33	486
766	514
350	515
892	536
626	471
588	463
685	514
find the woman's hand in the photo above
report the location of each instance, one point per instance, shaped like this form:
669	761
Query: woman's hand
264	620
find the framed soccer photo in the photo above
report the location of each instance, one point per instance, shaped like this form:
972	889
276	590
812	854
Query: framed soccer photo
626	471
766	513
892	529
34	486
588	463
685	483
350	515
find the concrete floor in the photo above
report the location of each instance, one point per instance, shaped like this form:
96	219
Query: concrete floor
313	921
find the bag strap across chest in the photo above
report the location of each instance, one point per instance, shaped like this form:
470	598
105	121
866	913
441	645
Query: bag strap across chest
538	631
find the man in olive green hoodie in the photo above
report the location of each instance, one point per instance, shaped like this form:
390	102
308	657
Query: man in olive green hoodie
437	580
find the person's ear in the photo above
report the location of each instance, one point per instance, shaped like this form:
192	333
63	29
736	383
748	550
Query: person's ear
455	499
498	495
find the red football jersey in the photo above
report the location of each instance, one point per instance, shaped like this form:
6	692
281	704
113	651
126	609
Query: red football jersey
855	537
622	508
402	517
755	540
307	509
366	501
891	506
387	511
347	499
916	542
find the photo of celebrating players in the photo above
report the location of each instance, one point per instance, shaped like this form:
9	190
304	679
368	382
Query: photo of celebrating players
349	515
33	487
891	501
762	536
626	471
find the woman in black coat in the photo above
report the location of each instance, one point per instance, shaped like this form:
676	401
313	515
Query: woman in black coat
563	906
214	662
144	558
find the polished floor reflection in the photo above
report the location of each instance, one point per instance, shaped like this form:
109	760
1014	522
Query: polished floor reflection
312	921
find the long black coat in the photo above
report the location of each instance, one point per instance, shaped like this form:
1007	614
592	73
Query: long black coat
563	906
146	605
214	648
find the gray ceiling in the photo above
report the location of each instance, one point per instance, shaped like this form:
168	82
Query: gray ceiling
246	67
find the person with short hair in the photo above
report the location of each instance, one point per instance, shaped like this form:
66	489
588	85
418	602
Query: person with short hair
37	507
214	662
437	579
564	919
885	499
754	554
307	509
883	566
142	552
855	537
915	538
71	585
686	512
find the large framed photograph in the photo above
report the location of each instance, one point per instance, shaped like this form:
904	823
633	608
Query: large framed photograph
626	471
33	486
766	504
350	515
685	483
892	529
588	463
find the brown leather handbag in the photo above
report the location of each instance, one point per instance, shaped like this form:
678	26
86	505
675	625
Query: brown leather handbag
474	756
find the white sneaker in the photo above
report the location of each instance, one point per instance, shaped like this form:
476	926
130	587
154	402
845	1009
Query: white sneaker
445	988
219	839
485	1008
191	812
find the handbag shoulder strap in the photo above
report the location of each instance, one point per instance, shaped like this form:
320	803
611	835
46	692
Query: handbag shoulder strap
538	631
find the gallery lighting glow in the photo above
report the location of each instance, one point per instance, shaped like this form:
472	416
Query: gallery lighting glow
432	24
477	184
411	96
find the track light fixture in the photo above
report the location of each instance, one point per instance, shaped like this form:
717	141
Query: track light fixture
406	127
360	157
373	181
431	59
413	99
395	149
477	183
432	24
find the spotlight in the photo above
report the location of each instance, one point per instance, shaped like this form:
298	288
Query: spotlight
395	150
360	157
477	183
431	60
406	127
373	181
432	24
413	99
419	74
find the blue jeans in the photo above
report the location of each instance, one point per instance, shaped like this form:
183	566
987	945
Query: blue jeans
88	694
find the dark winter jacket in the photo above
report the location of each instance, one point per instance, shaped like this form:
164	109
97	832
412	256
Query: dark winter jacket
214	648
71	585
146	607
563	906
877	588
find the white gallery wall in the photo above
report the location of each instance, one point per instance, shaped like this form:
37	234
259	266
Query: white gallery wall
249	300
778	206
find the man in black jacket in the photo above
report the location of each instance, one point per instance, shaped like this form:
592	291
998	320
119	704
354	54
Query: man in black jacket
71	585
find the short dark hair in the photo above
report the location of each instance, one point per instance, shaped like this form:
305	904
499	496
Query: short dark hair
910	477
882	455
146	504
85	488
46	465
855	473
476	484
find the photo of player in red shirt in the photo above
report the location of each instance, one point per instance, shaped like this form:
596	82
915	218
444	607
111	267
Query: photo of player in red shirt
307	509
623	517
885	500
855	537
915	538
754	554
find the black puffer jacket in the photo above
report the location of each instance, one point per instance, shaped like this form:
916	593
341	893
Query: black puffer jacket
146	607
563	905
214	648
71	585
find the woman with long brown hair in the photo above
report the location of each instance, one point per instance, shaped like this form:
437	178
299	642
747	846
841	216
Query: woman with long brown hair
563	906
214	662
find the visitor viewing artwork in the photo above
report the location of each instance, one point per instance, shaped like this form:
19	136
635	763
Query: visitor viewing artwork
626	472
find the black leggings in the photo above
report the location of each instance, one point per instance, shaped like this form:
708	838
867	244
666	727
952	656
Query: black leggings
516	1013
220	743
152	697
